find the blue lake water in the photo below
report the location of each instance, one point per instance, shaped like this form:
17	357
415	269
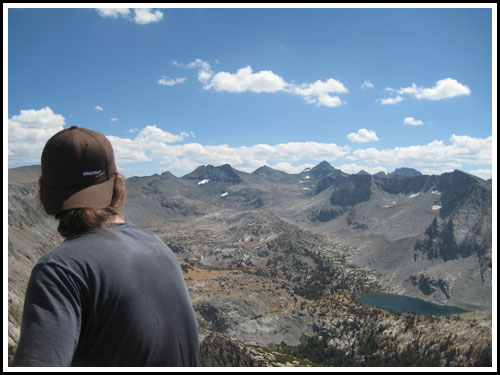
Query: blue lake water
406	304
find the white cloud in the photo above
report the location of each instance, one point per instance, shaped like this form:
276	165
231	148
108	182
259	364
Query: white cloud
149	144
390	101
319	92
144	16
288	168
245	80
319	88
412	90
154	144
443	89
153	133
113	12
114	119
367	85
29	131
325	100
463	150
266	81
98	108
126	150
141	16
412	121
363	136
205	72
166	81
198	63
485	174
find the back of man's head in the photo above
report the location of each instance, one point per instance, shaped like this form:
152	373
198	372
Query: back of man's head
79	177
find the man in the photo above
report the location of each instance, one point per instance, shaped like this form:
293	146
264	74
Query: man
112	293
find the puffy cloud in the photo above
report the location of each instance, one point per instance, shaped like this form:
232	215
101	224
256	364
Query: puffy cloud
205	71
149	144
319	88
166	81
412	121
151	133
412	90
141	16
245	80
363	136
154	144
367	85
319	92
443	89
325	100
113	12
390	101
29	131
287	167
198	63
98	108
266	81
127	150
462	150
144	16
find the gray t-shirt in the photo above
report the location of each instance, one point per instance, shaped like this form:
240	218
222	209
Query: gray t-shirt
112	298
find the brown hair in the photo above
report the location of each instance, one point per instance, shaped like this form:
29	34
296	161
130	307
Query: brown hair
80	220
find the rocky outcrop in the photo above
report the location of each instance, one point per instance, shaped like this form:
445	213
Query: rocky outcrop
351	190
221	351
327	213
251	320
406	185
463	227
429	284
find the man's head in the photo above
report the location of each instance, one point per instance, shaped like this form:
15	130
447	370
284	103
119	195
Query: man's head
79	183
78	169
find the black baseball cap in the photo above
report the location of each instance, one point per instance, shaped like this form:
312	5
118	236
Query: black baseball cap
78	169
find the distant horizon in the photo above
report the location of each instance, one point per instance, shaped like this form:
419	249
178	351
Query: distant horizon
306	169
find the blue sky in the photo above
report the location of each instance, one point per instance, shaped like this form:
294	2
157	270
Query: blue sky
372	89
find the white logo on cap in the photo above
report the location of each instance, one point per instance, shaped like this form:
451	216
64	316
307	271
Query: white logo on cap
93	173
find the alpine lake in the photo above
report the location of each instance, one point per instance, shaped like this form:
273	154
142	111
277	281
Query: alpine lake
407	304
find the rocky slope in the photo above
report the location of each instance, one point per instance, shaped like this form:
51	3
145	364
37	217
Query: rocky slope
257	281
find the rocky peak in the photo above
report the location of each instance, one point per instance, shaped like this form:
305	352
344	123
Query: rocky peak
404	172
322	169
223	173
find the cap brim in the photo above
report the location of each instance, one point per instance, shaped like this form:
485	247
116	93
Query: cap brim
56	200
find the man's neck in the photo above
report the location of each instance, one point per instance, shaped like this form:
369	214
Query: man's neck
115	219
